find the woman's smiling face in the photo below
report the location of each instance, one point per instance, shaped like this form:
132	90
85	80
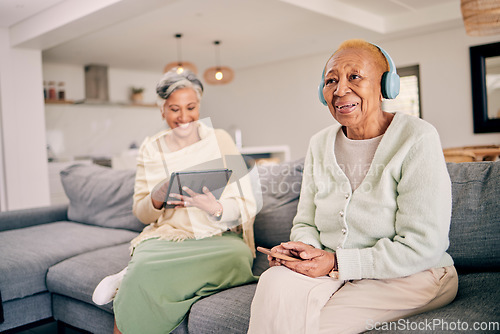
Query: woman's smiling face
352	86
180	110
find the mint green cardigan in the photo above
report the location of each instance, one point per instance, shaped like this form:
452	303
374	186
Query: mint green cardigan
396	222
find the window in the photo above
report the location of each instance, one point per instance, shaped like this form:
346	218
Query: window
408	100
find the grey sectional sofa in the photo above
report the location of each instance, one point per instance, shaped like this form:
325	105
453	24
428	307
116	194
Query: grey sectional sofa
52	258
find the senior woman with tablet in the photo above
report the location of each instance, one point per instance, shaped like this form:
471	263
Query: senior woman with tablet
373	217
194	245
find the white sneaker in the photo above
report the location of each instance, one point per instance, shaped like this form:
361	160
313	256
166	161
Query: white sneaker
106	290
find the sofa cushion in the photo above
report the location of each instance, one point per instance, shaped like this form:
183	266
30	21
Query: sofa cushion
77	277
100	196
476	304
260	264
89	318
19	312
27	253
280	193
81	315
475	222
480	290
227	311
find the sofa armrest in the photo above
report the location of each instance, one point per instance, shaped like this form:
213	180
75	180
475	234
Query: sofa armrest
10	220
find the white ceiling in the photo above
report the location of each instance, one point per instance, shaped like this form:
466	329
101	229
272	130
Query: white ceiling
394	7
14	11
251	32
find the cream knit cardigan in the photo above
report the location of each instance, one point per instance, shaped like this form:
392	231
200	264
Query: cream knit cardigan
396	222
210	152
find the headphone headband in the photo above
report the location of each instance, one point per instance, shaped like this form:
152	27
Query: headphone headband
390	83
392	67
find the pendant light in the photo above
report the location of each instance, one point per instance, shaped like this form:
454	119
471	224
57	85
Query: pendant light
218	75
180	65
481	17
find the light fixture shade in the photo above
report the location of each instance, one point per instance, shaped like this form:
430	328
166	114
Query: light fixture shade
182	64
218	75
179	64
481	17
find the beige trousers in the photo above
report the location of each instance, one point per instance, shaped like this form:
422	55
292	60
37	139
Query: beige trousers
289	302
286	302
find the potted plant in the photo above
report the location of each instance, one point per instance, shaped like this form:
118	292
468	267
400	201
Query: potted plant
136	94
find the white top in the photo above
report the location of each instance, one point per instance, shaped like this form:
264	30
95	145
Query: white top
355	156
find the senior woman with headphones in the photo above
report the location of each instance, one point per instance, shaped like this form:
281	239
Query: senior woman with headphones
371	230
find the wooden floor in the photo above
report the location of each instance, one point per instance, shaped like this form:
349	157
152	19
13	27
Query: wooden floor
48	328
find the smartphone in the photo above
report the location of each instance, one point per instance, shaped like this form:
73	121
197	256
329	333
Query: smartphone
277	255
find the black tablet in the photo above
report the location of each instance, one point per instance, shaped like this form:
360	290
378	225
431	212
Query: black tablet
214	179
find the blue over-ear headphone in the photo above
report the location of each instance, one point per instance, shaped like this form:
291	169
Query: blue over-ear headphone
389	84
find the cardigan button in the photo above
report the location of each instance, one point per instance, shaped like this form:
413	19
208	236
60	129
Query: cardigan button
346	196
344	231
341	213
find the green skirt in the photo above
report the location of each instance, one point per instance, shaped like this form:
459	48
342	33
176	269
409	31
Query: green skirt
164	278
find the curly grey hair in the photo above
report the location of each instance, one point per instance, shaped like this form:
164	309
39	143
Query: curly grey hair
171	81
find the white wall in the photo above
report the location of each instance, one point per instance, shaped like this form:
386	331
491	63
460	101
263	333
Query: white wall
273	104
76	131
82	131
277	103
445	82
120	81
22	134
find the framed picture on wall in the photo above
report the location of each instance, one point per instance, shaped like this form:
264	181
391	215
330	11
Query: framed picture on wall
485	79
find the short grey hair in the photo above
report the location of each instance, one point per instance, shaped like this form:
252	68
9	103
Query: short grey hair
172	81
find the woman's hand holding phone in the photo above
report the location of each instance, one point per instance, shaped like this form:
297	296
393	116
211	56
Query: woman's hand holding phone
309	261
271	255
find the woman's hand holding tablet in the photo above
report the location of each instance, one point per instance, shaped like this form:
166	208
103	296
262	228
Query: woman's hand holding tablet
185	186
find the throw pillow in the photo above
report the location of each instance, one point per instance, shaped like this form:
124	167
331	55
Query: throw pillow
475	221
280	194
100	196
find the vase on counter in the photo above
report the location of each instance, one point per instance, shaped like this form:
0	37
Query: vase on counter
136	95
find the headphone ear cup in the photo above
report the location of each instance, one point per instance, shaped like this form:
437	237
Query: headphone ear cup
320	90
390	85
